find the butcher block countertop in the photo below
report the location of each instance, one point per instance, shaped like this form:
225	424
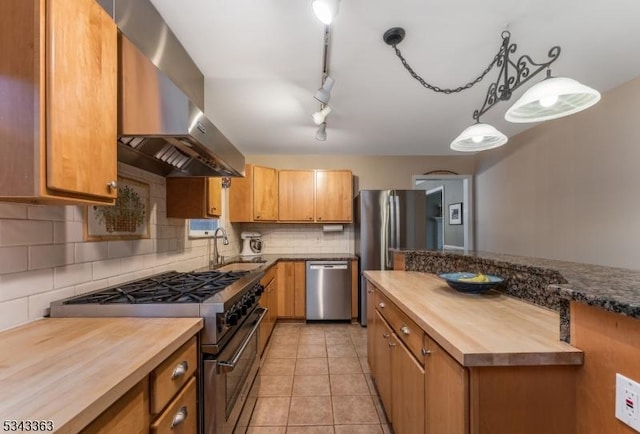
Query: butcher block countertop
69	370
491	329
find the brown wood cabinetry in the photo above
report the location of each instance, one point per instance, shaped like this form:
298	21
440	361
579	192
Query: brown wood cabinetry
58	110
166	397
296	195
292	289
194	198
334	196
254	197
268	300
424	389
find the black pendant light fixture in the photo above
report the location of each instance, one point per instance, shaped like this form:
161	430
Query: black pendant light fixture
552	98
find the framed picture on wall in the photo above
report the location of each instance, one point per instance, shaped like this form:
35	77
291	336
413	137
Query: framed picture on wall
455	213
128	219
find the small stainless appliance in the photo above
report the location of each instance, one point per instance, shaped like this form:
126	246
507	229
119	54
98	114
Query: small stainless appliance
228	304
251	244
386	219
328	290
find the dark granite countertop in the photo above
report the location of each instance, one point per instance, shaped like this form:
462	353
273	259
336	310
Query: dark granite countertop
612	289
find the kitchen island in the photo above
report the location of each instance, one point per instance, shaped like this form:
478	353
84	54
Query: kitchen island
447	362
67	372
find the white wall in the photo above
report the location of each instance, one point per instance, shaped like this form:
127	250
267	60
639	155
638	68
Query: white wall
43	256
567	189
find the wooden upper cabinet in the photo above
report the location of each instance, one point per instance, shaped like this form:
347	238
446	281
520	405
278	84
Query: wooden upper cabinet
296	194
334	196
254	197
194	198
58	110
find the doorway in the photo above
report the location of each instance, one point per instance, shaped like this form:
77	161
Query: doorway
435	227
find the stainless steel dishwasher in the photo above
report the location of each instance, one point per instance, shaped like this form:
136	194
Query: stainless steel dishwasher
328	290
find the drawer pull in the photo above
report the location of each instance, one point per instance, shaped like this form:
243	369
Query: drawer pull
180	417
425	352
381	305
391	345
180	370
405	330
386	335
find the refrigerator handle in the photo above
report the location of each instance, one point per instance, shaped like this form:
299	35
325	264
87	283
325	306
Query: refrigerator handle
389	227
397	222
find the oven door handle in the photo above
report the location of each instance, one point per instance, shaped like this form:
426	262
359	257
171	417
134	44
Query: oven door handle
228	366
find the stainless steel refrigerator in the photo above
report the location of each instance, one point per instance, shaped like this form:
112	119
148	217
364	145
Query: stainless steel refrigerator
386	219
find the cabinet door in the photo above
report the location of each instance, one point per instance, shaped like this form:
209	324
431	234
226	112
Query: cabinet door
81	98
446	392
129	414
334	196
407	390
299	290
265	194
371	324
187	198
214	197
285	296
295	195
382	363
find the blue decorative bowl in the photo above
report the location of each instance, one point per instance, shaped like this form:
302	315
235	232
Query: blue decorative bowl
453	280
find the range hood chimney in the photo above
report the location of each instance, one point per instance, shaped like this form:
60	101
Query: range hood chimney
160	129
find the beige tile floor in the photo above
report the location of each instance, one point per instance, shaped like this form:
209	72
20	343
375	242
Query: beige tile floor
315	379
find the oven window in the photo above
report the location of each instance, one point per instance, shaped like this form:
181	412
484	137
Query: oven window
235	379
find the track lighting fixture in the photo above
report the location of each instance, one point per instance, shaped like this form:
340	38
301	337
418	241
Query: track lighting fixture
320	116
325	10
321	134
550	99
323	94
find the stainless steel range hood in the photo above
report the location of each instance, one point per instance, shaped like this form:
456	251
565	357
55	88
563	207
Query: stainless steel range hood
160	130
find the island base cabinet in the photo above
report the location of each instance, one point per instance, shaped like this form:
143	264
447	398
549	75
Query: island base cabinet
522	400
380	333
407	390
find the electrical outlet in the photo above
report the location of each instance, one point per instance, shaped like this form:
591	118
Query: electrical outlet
627	405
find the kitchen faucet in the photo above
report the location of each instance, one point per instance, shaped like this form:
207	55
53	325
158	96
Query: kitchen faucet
216	258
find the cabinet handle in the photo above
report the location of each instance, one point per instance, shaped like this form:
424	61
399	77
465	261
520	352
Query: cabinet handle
405	330
369	291
180	370
310	218
257	217
425	352
180	417
385	335
381	305
112	185
319	218
391	345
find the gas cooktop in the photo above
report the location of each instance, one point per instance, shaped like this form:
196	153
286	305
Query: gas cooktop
169	287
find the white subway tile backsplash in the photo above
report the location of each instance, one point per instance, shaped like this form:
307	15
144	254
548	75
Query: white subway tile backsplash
72	275
39	303
17	285
14	312
13	211
132	264
119	249
13	259
92	251
90	286
25	232
48	212
67	232
53	255
106	269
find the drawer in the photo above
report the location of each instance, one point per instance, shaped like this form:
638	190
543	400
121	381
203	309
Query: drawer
172	374
406	329
181	416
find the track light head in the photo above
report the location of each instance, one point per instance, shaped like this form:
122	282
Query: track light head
320	116
323	94
321	134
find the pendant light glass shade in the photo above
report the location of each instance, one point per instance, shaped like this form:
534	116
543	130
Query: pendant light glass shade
478	137
325	10
552	98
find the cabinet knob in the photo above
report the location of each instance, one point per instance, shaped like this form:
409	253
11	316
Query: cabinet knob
319	218
257	217
112	185
310	218
381	305
180	370
391	345
180	417
369	291
385	335
425	352
405	330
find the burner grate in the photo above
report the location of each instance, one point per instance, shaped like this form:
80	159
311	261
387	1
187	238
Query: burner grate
170	287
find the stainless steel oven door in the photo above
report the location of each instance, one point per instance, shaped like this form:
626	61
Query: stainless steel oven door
228	376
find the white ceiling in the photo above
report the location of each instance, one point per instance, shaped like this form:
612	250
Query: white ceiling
262	62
